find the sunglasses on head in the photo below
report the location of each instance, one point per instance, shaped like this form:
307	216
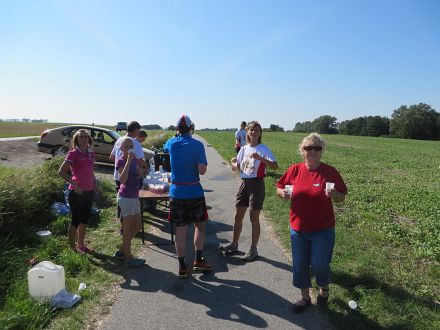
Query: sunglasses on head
310	148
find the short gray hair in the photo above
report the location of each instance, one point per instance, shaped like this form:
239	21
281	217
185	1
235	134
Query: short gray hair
311	139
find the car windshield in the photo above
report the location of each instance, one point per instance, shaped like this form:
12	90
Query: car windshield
114	135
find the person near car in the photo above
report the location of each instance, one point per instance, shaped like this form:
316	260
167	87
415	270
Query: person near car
240	137
252	161
133	129
128	201
187	200
142	135
82	186
312	219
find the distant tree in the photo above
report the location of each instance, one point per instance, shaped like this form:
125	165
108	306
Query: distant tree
369	126
418	121
305	127
152	127
325	124
172	128
276	128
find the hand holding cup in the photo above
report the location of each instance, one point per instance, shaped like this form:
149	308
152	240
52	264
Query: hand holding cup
288	191
329	187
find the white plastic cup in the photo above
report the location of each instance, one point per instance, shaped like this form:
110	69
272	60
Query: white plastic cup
329	186
289	189
131	151
352	304
82	286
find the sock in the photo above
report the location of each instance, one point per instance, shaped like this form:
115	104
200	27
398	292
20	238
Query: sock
199	255
182	262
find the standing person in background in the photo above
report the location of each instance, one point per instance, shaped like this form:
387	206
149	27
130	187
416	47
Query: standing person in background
240	137
252	160
128	201
312	219
133	129
142	135
187	200
82	185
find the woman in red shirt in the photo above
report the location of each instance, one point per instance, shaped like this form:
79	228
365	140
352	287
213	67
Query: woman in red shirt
312	220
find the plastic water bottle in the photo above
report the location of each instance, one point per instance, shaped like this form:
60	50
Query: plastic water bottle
152	168
160	169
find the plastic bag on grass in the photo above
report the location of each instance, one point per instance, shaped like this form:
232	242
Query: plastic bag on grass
65	299
58	208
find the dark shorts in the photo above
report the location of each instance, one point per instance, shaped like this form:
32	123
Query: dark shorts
80	206
251	193
186	211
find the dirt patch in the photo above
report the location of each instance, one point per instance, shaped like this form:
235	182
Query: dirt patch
21	153
24	153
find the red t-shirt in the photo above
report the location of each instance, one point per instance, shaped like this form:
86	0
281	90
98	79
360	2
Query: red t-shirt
310	208
82	168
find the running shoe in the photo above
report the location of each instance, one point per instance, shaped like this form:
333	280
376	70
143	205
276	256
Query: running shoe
183	272
134	262
229	247
250	254
201	266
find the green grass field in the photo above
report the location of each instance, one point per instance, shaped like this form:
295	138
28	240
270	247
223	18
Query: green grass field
16	129
387	251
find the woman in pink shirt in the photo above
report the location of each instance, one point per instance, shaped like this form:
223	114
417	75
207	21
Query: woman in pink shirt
82	186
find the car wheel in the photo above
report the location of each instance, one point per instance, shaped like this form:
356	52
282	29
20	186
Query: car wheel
59	151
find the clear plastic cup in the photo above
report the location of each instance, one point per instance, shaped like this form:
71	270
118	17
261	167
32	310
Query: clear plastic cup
289	188
329	186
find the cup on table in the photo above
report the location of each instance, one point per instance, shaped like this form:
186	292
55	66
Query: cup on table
289	189
328	187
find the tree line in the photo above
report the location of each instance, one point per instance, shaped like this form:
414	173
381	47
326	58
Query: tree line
418	121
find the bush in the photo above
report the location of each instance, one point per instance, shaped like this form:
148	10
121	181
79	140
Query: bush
26	196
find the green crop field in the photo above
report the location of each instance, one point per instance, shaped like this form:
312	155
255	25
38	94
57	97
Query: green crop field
16	129
387	250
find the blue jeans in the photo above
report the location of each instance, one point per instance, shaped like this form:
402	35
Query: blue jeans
312	250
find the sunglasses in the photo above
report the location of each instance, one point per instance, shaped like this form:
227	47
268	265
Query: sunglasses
310	148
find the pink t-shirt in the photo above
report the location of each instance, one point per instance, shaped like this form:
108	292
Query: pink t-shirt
82	168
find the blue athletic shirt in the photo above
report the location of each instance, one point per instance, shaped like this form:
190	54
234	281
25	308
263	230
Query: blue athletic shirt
186	154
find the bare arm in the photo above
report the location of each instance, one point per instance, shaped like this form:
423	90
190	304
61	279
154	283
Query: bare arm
123	173
64	173
336	196
273	165
202	168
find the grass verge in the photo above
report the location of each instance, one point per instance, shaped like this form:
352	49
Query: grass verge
99	271
387	249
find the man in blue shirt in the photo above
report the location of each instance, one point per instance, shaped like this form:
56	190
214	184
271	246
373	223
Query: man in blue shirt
187	201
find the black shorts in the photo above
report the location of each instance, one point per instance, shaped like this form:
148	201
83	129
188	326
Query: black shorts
251	193
186	211
80	206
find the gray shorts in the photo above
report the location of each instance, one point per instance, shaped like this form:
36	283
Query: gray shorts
129	206
251	193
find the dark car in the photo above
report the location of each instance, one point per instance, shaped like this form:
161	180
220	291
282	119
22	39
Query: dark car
58	141
121	126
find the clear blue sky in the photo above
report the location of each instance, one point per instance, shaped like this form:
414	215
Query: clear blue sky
221	61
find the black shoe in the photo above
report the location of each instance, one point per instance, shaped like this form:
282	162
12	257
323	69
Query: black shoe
301	305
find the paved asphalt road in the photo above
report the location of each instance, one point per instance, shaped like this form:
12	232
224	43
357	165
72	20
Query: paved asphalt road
236	295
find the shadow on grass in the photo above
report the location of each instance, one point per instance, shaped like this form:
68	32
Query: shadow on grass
345	318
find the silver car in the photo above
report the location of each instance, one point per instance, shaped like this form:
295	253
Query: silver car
58	141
